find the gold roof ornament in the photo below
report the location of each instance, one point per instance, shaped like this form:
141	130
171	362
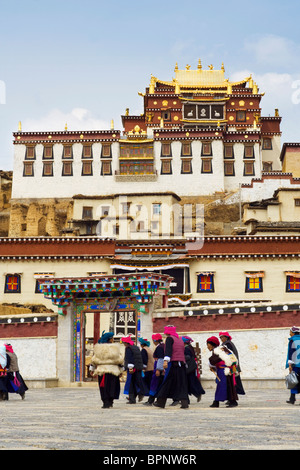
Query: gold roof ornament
152	85
66	127
112	124
276	112
20	126
197	79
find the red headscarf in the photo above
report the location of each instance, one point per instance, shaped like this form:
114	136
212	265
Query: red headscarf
127	339
157	337
214	340
225	333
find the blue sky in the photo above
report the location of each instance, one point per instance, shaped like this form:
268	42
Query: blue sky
85	62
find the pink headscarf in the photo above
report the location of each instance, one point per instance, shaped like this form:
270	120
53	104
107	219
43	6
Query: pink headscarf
128	340
9	348
170	330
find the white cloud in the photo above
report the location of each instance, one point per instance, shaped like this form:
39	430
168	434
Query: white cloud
78	119
273	51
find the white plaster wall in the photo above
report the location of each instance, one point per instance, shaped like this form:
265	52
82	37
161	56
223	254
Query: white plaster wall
182	184
265	189
36	356
262	353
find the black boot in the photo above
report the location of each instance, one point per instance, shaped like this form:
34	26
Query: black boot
184	403
215	404
292	399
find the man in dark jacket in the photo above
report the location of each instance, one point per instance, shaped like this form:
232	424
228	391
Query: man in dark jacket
133	363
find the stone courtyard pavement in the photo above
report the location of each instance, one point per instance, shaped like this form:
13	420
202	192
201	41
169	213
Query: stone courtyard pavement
72	419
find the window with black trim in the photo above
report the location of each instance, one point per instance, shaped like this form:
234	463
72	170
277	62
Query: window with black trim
67	151
12	284
106	151
166	150
267	143
48	169
249	169
67	169
87	169
267	166
229	169
186	149
87	151
293	283
48	152
186	166
249	151
166	167
106	168
254	283
241	116
30	153
166	115
206	166
28	169
205	282
206	149
228	151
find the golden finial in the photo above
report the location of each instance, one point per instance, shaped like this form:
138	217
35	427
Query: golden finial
152	85
127	112
187	67
177	88
66	127
176	67
112	125
222	67
229	88
20	126
276	112
199	65
254	89
211	67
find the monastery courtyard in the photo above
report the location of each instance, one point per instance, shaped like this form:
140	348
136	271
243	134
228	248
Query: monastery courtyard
72	419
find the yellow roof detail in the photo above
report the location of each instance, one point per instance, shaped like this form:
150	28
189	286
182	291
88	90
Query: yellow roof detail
200	78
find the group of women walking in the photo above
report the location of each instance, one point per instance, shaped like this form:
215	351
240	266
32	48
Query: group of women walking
170	370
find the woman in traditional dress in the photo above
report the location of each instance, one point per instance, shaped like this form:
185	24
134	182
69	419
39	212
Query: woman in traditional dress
293	360
175	384
226	341
133	363
15	383
222	362
194	384
148	360
4	365
158	372
107	363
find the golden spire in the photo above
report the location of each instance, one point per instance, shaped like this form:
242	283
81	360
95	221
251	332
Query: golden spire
176	67
255	89
276	112
251	82
20	126
152	85
112	125
222	67
199	67
66	127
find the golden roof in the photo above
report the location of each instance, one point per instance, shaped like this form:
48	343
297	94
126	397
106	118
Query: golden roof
200	78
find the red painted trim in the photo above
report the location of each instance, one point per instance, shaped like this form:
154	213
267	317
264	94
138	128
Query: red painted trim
28	330
235	321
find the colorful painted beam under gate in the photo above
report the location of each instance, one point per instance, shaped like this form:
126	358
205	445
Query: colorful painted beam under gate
103	293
